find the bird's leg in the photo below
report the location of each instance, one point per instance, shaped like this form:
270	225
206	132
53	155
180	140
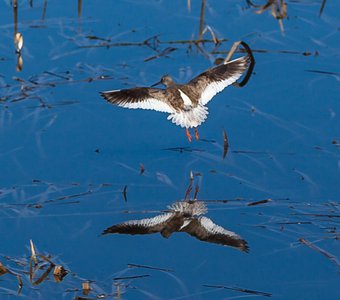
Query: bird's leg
188	134
196	134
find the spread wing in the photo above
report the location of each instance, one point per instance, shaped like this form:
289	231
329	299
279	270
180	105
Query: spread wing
206	230
215	80
140	97
143	226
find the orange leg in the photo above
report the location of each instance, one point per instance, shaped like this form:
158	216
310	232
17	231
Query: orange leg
196	134
188	134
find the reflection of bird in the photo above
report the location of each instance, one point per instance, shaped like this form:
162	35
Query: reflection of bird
182	217
184	102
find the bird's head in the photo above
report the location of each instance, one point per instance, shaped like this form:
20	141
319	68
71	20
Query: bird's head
165	80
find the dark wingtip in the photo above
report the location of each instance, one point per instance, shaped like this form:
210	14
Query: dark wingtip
245	248
106	96
103	94
107	231
240	244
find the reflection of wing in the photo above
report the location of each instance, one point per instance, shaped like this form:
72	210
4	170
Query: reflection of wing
140	97
143	226
215	80
205	230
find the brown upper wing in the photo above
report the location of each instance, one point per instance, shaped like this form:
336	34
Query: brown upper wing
216	79
140	97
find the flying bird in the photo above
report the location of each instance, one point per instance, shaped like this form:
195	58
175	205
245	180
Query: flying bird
185	103
185	216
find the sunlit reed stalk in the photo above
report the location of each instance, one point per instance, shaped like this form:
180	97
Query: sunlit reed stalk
278	10
18	41
201	20
118	292
18	37
20	62
86	288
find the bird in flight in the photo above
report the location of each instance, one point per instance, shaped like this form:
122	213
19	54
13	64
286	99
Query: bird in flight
185	103
185	216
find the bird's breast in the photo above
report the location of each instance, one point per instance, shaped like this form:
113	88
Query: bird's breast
181	100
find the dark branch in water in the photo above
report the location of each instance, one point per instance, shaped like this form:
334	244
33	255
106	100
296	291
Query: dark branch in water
322	7
149	267
242	290
259	202
125	193
145	43
323	72
331	257
131	277
163	53
305	53
225	144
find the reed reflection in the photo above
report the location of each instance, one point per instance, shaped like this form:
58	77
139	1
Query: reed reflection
18	37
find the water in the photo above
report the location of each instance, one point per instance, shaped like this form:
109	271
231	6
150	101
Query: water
66	155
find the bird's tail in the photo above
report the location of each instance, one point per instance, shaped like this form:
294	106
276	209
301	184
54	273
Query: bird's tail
190	118
194	208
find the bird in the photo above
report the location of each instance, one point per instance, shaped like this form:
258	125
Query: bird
185	103
184	216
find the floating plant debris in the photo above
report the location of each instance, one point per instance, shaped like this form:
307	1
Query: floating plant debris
278	9
59	273
141	169
86	288
3	269
37	269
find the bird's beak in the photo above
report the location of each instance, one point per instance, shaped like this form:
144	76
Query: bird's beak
157	83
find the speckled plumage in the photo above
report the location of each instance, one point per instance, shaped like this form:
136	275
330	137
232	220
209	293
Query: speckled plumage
185	103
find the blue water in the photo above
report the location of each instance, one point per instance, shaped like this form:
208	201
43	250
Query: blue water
66	155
